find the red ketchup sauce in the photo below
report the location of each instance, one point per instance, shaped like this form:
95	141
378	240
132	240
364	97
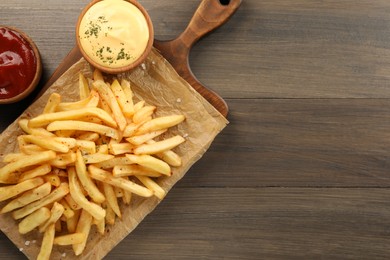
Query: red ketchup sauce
18	63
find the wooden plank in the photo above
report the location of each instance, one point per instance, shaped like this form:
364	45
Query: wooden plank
265	223
272	49
299	142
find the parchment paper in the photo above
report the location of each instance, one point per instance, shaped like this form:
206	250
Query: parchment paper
158	84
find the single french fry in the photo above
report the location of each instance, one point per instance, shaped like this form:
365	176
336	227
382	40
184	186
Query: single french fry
112	162
54	196
126	197
47	243
129	111
35	159
153	186
168	156
139	105
160	146
23	124
12	157
32	149
52	103
140	139
88	147
27	198
86	181
7	192
53	179
83	87
102	149
106	94
151	162
72	204
68	211
121	148
95	210
104	176
69	239
110	216
97	75
121	98
83	126
93	137
47	142
84	227
133	169
91	101
55	214
64	133
112	200
46	119
71	223
33	220
160	123
63	160
101	226
130	129
97	158
143	113
36	172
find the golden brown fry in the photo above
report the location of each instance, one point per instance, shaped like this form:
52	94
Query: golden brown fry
72	204
106	94
124	103
129	111
33	220
36	172
52	103
86	181
95	210
83	87
97	158
110	216
87	147
112	162
121	148
70	239
7	192
63	160
27	198
68	211
7	172
83	126
23	124
160	123
140	139
130	129
112	200
104	176
143	113
55	214
151	163
53	179
54	196
93	137
168	156
46	119
47	243
97	75
71	223
91	101
160	146
133	169
153	186
84	227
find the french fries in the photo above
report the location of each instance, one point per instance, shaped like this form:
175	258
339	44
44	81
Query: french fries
78	161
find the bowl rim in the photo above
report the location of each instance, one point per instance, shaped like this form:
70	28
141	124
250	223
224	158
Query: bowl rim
132	65
38	71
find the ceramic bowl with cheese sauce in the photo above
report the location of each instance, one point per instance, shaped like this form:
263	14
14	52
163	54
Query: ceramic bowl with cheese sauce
114	36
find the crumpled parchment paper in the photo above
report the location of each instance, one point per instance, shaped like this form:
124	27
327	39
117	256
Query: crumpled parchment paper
158	84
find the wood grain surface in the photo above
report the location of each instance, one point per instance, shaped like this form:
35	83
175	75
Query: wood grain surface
302	170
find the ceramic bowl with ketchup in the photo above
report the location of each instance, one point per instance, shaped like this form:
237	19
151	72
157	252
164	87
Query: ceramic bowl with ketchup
114	35
20	65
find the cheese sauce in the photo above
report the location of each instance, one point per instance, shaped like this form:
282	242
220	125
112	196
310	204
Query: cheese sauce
113	33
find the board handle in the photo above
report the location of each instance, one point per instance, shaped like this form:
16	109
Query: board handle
210	15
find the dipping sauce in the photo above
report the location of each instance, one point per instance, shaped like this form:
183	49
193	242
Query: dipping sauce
18	63
113	33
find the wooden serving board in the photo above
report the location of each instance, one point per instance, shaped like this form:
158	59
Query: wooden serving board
210	15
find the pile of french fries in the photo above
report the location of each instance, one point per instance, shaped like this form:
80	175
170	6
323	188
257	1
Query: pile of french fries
78	160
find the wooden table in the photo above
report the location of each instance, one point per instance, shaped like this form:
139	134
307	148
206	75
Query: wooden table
302	170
